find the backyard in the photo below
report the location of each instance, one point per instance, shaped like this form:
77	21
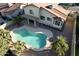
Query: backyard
66	32
59	47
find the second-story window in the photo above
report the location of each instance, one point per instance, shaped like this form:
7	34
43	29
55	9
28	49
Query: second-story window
49	19
57	23
31	11
42	17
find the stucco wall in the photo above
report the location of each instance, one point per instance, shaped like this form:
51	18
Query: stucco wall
45	13
34	9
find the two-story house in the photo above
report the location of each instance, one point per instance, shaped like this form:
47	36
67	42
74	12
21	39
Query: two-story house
48	14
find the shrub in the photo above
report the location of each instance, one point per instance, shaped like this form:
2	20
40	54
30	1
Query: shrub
4	36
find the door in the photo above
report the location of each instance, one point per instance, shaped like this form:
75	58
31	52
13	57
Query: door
31	21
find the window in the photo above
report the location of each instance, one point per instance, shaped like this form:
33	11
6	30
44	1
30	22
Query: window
31	12
57	23
42	17
49	19
22	12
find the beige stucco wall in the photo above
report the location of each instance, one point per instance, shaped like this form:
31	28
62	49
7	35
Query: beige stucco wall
35	10
45	13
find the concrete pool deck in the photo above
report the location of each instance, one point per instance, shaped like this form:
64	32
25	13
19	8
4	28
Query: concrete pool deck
35	30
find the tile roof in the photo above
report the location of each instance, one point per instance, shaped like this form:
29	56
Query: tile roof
11	8
3	5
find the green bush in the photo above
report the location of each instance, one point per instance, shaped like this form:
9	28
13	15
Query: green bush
17	20
19	47
5	40
4	36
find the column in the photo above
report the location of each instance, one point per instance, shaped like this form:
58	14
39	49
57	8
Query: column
35	23
28	20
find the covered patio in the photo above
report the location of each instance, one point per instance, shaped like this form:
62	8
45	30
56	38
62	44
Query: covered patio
30	19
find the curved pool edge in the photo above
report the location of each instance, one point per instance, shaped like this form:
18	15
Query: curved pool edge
47	46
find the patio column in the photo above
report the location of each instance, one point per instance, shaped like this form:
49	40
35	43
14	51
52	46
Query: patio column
28	21
35	23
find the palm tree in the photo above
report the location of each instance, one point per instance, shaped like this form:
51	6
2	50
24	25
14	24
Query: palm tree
60	46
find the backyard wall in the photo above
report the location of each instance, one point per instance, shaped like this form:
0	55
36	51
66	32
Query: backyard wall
73	40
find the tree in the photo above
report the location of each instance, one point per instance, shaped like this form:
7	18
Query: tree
60	46
6	43
4	36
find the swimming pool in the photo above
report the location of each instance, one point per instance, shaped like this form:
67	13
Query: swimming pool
35	40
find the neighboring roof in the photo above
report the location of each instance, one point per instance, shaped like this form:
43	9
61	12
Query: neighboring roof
56	10
3	5
74	8
12	8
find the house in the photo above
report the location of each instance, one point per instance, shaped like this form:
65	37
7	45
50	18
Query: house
3	5
12	11
48	14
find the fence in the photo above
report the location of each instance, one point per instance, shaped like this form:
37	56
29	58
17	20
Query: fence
73	40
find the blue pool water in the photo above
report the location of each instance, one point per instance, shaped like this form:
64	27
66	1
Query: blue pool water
36	40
